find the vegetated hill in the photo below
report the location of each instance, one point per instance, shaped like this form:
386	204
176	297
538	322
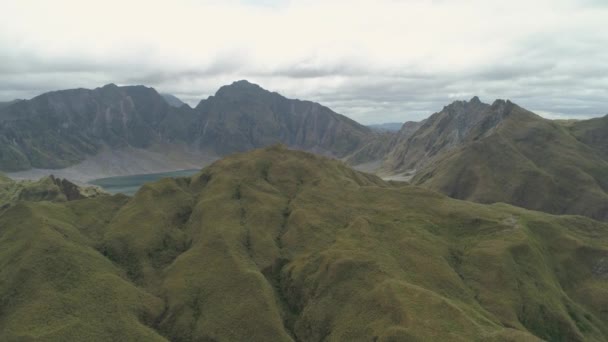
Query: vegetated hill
278	245
172	100
593	132
45	189
63	128
508	154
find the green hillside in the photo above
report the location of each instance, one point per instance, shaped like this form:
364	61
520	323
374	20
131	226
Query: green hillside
593	132
512	155
279	245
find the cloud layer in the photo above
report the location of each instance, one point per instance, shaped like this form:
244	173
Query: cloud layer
375	61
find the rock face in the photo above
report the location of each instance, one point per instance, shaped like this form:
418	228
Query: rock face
243	116
504	153
62	128
172	100
419	143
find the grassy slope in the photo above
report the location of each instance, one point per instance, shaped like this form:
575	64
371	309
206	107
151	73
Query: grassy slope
280	245
526	161
55	286
593	132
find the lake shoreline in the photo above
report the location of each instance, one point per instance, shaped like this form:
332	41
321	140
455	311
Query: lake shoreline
129	185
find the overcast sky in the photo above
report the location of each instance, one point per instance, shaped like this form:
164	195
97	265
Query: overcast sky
374	61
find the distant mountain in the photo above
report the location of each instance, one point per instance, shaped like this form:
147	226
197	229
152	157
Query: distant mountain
172	100
243	116
504	153
418	143
63	128
8	103
278	245
593	132
386	127
469	150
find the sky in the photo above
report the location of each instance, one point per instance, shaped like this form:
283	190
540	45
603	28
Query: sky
374	61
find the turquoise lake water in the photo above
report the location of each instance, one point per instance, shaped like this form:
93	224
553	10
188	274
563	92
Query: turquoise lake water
129	185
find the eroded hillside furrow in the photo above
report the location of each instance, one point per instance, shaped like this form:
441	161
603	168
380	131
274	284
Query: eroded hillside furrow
280	245
242	218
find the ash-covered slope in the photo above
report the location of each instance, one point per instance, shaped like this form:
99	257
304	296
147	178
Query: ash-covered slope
279	245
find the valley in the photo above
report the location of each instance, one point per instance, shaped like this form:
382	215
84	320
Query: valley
304	171
278	237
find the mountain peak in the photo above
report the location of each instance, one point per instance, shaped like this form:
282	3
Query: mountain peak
241	88
244	83
109	86
503	105
463	106
499	102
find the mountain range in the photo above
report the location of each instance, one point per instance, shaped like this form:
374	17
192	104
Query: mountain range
469	150
64	128
272	243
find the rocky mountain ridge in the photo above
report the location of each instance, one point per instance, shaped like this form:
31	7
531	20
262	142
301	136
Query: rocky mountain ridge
470	150
504	153
63	128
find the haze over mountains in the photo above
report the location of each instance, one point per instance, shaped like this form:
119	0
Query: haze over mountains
387	127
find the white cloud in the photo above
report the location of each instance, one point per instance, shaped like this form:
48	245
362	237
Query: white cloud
382	60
